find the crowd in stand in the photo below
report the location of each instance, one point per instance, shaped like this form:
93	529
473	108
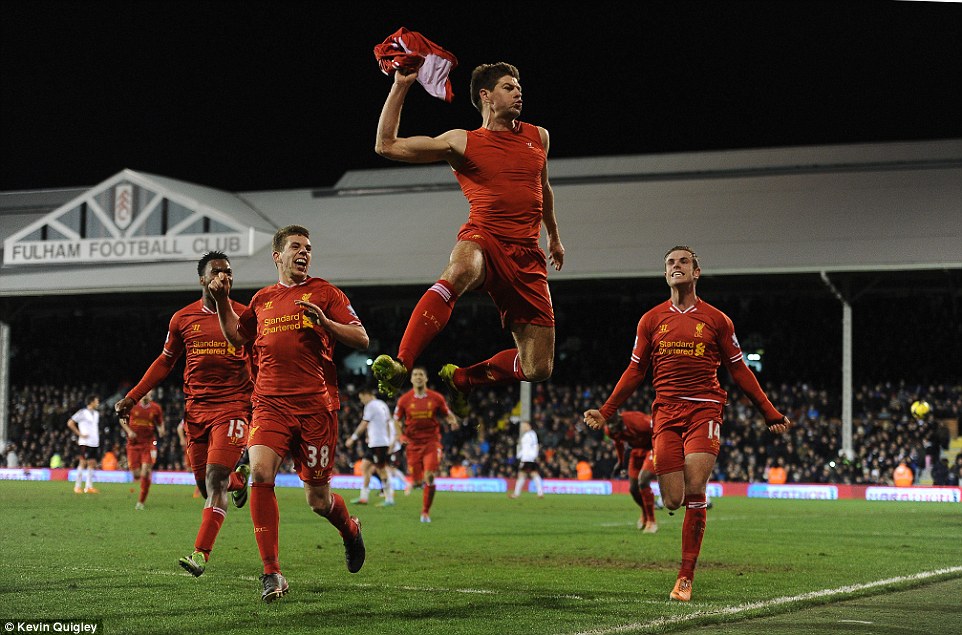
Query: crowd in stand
884	432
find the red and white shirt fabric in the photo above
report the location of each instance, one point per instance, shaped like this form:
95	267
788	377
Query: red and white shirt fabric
409	50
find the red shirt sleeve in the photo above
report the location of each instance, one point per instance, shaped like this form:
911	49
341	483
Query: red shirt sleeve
161	367
247	324
634	374
747	381
730	352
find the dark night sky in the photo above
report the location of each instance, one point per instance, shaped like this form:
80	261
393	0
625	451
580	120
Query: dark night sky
268	95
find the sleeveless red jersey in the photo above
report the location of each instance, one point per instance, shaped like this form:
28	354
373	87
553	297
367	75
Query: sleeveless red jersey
215	371
144	421
685	349
501	178
421	415
295	358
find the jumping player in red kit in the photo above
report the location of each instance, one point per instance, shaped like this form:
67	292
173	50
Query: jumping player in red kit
217	388
502	170
633	429
684	340
294	324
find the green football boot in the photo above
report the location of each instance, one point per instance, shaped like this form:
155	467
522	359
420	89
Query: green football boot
390	375
459	400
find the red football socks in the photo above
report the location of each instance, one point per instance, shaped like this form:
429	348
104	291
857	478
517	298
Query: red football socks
235	482
648	504
503	368
144	487
211	520
340	517
692	531
427	498
430	316
265	517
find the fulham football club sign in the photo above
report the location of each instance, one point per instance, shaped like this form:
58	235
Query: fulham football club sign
134	217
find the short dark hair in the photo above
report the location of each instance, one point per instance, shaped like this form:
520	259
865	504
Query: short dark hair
486	76
280	236
90	399
367	389
210	255
694	256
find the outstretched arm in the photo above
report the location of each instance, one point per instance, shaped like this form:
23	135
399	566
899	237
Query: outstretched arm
746	380
419	149
630	380
157	372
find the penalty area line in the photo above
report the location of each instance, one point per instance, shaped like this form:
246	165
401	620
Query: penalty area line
750	606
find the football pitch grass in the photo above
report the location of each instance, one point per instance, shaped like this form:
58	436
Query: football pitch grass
565	564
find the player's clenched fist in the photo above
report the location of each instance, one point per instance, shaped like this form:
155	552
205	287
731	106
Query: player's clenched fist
594	419
219	286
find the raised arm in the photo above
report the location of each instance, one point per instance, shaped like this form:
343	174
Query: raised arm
219	289
419	149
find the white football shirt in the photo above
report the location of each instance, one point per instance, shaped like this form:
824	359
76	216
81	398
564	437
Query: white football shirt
379	423
528	450
88	422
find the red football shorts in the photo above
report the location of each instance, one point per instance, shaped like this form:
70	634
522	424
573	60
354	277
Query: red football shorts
516	278
311	438
142	454
423	458
639	460
216	433
682	428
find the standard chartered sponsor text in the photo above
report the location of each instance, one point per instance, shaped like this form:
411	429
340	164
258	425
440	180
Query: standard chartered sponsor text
289	322
211	347
679	347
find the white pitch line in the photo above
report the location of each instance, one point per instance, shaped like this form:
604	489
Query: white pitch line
741	608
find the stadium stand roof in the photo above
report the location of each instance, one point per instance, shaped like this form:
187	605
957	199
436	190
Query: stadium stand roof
847	208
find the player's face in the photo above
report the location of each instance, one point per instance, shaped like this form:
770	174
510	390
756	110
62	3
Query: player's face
506	96
295	259
213	269
419	378
680	268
